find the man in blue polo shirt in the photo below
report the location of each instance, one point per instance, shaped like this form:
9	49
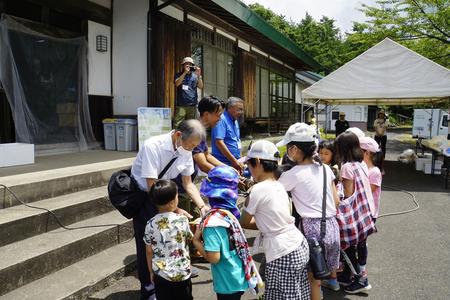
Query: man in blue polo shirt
226	136
187	83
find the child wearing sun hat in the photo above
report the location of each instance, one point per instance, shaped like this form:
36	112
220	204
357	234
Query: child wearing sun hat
220	238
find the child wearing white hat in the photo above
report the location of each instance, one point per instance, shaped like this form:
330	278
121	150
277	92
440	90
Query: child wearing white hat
268	209
305	182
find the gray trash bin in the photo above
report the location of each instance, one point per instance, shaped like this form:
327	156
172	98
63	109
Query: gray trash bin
126	134
109	130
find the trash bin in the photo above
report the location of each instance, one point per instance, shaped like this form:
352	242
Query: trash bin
126	134
109	130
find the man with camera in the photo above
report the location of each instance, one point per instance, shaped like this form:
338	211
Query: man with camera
187	81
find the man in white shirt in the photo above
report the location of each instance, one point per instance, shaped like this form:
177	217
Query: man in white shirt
153	157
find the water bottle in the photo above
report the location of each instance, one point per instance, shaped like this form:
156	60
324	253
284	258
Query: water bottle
317	260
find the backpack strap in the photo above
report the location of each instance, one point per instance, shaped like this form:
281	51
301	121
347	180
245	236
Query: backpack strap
166	168
323	221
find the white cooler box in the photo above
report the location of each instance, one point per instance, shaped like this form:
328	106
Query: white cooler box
437	167
422	160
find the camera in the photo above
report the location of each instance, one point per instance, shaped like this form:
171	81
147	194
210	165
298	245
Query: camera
192	68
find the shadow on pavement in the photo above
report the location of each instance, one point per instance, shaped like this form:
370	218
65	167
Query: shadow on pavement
341	295
125	295
406	177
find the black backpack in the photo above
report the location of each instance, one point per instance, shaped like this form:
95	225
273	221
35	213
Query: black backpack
124	193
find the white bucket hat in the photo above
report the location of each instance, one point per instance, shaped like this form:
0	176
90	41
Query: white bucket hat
188	60
299	132
358	132
263	150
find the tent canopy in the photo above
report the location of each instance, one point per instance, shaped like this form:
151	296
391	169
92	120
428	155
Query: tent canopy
386	74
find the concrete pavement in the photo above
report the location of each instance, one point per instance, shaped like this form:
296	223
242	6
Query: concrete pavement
408	257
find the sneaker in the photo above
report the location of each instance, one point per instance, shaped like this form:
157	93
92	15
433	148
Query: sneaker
358	286
194	272
343	279
331	284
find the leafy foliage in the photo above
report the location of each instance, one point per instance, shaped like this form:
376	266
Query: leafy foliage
421	25
321	39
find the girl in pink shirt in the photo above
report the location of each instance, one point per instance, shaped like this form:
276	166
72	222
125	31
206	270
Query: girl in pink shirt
350	155
373	157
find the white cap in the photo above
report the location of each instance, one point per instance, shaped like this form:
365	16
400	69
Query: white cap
263	150
369	144
358	132
187	60
299	132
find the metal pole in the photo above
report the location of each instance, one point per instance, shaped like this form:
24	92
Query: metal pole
302	118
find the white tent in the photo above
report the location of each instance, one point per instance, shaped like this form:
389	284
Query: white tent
386	74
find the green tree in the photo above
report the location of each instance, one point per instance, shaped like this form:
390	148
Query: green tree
321	39
421	25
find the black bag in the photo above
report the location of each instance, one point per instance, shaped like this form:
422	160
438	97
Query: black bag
125	194
317	252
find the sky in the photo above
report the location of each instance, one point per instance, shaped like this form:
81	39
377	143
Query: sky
342	11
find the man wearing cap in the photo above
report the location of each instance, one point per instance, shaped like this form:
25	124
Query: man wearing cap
380	126
187	81
341	125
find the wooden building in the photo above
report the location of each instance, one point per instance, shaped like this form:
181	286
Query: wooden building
240	54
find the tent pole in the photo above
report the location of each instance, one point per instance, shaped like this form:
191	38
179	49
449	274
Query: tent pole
302	118
316	109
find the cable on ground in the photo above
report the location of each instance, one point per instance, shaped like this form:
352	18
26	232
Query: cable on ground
58	221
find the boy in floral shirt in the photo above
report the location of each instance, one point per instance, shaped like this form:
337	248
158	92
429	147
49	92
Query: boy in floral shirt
167	235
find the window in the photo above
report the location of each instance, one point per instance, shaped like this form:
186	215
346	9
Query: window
445	121
215	55
217	69
197	54
281	96
335	115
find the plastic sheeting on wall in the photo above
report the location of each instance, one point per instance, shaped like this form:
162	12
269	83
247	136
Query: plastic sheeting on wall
45	81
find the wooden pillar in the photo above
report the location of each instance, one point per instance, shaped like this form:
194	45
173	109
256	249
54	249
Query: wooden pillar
246	82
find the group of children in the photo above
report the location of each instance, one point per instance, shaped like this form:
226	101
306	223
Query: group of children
220	238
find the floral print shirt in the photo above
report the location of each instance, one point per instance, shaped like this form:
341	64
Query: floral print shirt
168	234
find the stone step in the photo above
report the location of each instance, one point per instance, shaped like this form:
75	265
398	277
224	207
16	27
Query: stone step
83	278
25	261
30	187
21	222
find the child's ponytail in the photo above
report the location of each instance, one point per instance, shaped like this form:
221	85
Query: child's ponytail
378	159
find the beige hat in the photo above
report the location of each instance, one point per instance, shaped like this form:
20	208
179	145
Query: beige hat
188	60
341	113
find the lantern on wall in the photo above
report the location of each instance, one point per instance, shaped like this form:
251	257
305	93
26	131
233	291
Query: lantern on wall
101	43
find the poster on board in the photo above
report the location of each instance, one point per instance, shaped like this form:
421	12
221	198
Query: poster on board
153	121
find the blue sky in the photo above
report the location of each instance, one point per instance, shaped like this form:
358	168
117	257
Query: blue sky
343	11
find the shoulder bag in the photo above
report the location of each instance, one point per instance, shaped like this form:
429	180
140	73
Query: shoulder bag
125	194
317	252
